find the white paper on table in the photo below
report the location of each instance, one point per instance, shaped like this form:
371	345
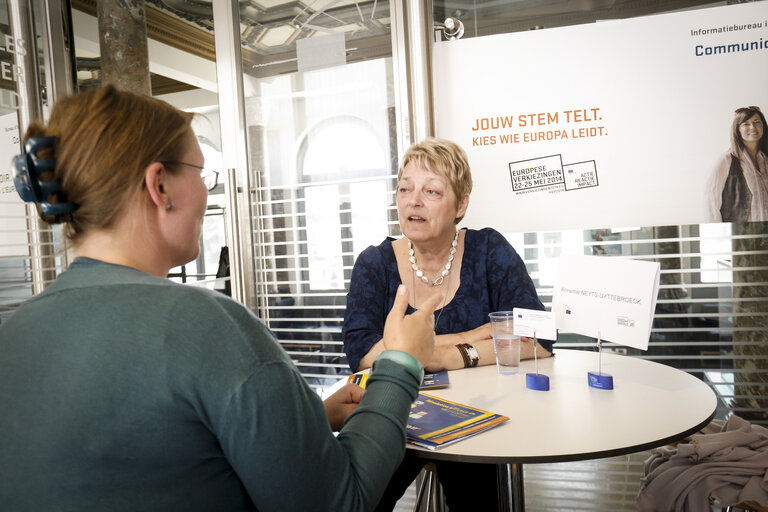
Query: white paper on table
612	297
532	322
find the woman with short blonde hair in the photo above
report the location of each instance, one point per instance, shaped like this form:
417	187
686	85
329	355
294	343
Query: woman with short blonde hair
474	272
443	158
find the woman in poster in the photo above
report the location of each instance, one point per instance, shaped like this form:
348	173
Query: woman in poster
739	190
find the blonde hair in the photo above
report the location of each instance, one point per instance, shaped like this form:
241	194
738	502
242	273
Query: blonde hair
105	139
445	159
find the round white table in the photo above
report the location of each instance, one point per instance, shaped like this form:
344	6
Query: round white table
651	405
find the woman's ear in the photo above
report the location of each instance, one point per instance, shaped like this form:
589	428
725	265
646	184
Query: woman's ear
155	179
463	204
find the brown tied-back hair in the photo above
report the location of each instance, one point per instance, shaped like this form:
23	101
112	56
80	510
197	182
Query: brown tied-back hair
444	158
106	138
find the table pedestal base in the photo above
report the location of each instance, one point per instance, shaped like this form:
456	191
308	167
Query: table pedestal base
510	479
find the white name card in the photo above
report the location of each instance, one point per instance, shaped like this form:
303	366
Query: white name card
607	297
532	322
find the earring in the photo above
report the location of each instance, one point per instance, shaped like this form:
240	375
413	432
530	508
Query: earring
169	207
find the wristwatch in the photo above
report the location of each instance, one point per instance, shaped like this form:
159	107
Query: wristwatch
469	354
474	357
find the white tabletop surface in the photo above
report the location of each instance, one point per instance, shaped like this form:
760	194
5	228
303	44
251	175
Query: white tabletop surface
651	405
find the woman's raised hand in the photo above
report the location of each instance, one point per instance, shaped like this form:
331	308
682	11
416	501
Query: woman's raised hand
413	333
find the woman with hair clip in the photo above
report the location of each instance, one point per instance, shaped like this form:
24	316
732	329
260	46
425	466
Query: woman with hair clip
739	187
120	390
476	272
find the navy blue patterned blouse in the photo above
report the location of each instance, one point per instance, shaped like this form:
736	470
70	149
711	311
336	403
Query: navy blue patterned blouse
493	278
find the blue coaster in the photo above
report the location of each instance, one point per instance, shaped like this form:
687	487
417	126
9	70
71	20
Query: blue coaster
537	381
600	380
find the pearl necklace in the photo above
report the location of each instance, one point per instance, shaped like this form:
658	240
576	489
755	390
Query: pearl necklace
443	274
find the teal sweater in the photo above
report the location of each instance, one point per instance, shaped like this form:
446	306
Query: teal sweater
123	391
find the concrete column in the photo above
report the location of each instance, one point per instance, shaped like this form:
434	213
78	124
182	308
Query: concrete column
123	42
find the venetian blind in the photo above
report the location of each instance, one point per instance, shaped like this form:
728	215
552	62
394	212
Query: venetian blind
711	318
31	254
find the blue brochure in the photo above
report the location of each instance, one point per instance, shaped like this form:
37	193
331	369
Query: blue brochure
435	422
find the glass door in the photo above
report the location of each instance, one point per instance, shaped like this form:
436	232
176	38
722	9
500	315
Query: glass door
322	159
182	68
31	252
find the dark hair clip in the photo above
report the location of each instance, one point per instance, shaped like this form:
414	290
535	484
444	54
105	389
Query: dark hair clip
27	169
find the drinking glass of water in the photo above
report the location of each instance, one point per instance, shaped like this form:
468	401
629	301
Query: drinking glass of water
506	344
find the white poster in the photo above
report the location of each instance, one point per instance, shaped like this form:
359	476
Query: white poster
619	123
13	230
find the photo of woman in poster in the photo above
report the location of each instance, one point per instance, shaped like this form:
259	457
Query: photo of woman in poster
739	189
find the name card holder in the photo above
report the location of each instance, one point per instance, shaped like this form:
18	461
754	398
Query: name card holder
536	381
599	380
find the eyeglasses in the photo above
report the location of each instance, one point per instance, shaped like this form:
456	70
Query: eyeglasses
209	176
